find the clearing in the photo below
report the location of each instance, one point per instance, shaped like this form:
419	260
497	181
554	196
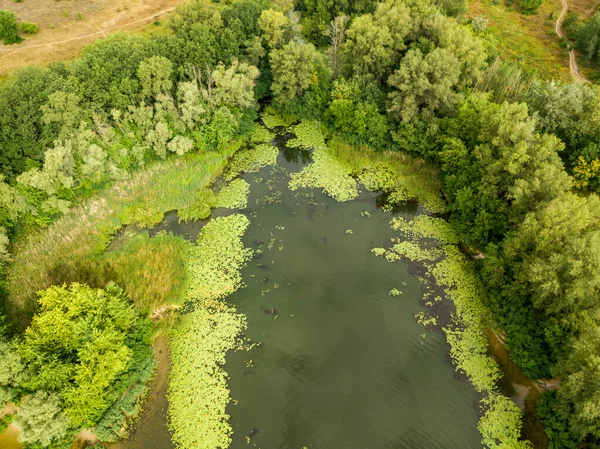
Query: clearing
530	40
66	26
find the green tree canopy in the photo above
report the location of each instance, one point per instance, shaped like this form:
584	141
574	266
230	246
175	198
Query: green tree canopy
294	69
76	346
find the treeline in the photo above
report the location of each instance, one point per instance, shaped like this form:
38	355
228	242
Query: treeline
519	177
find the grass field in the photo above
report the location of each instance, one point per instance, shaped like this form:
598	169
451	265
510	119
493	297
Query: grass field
530	40
67	26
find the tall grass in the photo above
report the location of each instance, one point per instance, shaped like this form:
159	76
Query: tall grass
69	245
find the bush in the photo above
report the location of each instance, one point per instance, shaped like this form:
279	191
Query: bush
29	27
529	7
9	29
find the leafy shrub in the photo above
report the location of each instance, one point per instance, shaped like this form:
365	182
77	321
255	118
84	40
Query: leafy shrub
529	7
29	27
9	29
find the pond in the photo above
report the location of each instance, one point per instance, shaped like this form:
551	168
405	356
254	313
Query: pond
342	363
342	360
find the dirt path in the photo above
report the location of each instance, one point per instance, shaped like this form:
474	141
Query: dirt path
573	67
66	27
86	36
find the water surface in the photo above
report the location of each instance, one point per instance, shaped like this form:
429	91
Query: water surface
342	363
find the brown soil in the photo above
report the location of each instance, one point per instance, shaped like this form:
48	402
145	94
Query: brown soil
66	26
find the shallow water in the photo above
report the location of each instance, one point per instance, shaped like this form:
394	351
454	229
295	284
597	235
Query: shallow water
342	364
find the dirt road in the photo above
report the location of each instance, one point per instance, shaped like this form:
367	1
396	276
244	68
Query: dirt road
66	27
573	67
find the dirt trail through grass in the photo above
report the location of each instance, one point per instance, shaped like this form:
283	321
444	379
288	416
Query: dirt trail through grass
85	36
66	27
573	67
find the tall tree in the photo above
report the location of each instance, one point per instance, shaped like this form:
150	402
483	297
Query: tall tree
293	68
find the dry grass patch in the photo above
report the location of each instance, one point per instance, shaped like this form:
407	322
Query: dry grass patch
67	26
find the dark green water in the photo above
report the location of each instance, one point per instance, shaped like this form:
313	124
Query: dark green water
342	364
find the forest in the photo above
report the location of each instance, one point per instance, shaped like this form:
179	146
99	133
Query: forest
518	159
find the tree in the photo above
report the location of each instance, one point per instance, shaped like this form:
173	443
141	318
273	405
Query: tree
23	134
530	6
572	112
579	395
76	346
558	248
48	190
337	34
234	87
368	49
274	26
155	77
12	368
106	73
293	68
41	420
354	111
497	168
424	84
395	16
63	112
9	28
12	204
459	40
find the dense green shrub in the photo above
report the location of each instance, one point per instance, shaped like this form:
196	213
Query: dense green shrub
530	6
28	27
9	28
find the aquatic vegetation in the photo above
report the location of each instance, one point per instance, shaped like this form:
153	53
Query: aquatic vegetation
432	242
349	231
260	134
273	118
214	262
308	136
199	209
328	173
234	195
425	320
402	176
394	292
198	393
251	160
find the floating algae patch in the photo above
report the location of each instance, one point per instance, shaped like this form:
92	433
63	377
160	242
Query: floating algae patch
198	392
251	160
433	240
234	195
